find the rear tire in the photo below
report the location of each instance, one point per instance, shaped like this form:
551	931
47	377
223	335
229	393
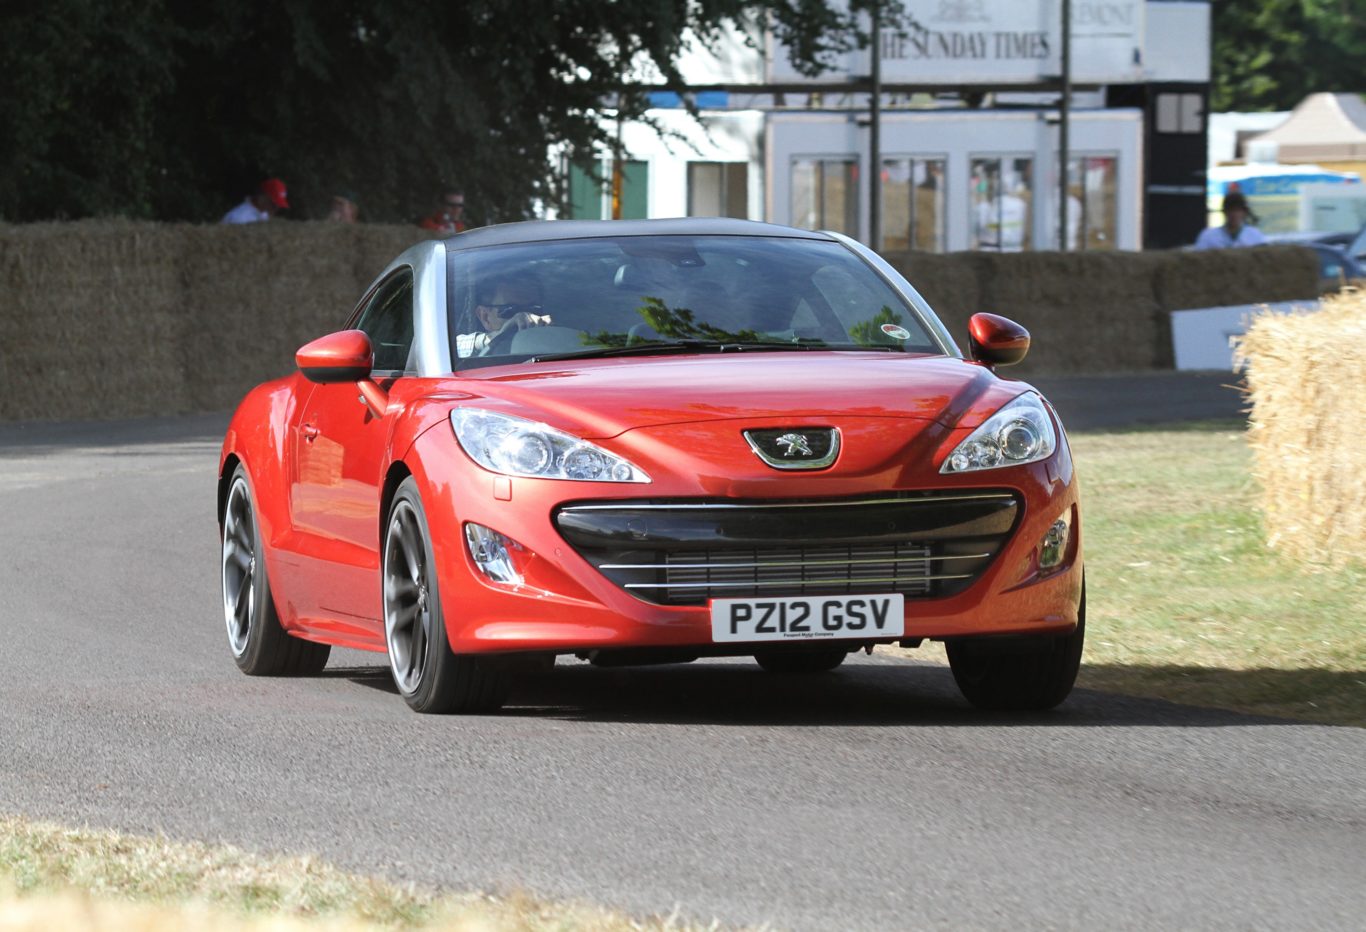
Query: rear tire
1028	677
259	645
803	661
429	677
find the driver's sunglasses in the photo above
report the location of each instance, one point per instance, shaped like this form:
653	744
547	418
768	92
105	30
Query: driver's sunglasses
505	310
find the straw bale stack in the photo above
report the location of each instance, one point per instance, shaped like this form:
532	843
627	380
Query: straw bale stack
103	319
91	323
1306	377
1102	312
1087	312
1222	277
261	291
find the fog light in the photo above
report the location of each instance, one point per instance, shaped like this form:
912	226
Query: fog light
492	553
1054	543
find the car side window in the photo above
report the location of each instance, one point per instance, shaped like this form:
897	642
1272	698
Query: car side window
388	321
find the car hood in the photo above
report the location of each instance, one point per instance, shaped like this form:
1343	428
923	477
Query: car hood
604	398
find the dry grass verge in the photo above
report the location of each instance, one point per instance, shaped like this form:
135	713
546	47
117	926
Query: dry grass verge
75	879
1186	603
1307	376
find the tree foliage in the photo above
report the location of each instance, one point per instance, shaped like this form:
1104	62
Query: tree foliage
1271	54
174	109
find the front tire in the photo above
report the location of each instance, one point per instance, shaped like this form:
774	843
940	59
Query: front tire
429	677
259	645
1020	677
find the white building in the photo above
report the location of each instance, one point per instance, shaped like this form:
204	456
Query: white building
969	131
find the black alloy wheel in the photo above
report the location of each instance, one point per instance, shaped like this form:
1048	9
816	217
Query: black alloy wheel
429	677
259	645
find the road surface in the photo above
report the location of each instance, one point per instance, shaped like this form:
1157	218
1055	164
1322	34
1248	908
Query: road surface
872	798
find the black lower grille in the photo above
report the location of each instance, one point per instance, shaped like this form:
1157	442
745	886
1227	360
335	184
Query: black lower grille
921	545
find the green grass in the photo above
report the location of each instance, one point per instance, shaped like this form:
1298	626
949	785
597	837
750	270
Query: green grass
1184	599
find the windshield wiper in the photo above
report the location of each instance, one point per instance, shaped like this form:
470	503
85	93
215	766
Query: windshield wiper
672	347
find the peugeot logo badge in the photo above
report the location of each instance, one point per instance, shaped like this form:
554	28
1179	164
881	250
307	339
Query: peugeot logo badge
795	447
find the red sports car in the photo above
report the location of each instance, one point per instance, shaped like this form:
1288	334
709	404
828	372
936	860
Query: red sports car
646	442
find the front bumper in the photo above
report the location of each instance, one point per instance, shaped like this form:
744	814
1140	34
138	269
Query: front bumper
567	604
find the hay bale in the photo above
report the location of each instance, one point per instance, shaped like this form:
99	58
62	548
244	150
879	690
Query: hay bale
289	283
1222	277
1306	376
1087	312
92	321
256	293
1102	312
124	319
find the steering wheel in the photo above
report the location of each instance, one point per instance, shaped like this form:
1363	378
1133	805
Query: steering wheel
501	342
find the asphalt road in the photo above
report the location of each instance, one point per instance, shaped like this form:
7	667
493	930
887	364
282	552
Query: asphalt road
873	798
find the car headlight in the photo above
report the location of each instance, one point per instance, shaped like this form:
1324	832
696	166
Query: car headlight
1021	432
515	446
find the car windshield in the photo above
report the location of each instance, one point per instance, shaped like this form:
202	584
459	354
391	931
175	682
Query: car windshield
646	295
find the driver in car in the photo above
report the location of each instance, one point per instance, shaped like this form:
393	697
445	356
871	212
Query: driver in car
505	304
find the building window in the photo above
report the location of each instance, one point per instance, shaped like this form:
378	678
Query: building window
1180	113
718	189
825	195
591	198
1002	198
913	204
1092	203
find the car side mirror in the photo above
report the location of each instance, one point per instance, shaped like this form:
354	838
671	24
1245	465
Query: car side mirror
345	356
997	341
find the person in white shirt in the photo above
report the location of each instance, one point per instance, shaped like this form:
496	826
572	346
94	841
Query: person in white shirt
270	197
1002	223
504	303
1236	230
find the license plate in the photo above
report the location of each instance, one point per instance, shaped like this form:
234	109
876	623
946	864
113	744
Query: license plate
808	619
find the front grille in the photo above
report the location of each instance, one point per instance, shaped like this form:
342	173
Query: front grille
922	545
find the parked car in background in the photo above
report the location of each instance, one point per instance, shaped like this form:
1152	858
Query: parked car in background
650	442
1356	248
1338	266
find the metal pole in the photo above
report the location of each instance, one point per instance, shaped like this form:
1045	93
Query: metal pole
617	167
1064	117
875	137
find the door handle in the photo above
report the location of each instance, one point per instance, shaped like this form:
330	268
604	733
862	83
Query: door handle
309	431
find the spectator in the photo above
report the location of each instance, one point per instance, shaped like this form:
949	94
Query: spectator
344	208
1236	230
504	303
449	216
269	198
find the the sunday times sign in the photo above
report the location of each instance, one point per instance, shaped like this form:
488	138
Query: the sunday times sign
995	42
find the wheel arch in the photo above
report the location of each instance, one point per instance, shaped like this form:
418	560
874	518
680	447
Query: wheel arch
393	478
230	464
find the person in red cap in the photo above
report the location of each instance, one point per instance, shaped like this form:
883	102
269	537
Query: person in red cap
270	197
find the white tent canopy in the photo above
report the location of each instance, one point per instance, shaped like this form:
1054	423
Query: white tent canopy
1324	127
